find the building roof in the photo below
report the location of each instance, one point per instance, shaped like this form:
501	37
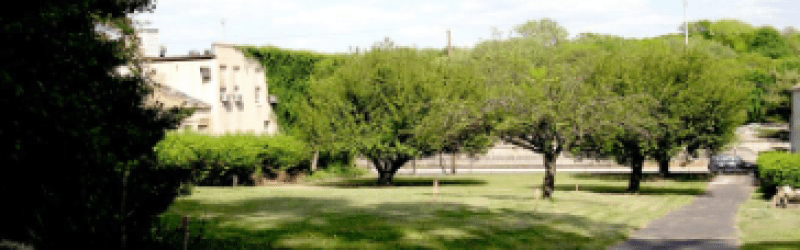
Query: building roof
179	58
175	98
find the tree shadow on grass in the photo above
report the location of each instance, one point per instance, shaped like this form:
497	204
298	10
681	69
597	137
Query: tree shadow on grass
335	223
643	190
771	245
781	135
404	182
678	177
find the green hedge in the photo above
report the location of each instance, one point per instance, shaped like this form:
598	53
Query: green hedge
214	160
778	169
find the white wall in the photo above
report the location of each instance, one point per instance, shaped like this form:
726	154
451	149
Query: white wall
249	115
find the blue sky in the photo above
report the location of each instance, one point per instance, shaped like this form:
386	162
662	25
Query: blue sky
336	26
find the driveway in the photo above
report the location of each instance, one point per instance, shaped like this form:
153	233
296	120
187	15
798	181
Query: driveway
707	223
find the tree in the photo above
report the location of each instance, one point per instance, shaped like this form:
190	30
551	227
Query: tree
768	42
549	106
546	31
693	99
384	103
78	163
291	74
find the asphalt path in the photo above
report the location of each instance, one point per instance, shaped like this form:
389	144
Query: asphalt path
435	171
707	223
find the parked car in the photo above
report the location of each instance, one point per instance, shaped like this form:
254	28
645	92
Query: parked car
723	163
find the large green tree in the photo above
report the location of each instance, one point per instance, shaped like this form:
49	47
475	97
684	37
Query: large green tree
546	31
693	98
547	105
387	104
78	163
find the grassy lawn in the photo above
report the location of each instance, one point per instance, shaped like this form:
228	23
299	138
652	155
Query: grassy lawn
763	226
470	211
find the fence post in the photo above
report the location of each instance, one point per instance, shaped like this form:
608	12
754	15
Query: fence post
436	186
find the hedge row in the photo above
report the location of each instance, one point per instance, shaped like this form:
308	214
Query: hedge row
778	169
215	160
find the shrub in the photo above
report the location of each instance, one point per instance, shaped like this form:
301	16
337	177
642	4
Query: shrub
215	160
778	169
336	170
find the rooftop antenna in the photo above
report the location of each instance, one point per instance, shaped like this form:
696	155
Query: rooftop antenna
222	21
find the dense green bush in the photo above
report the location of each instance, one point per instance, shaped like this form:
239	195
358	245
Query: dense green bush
215	160
778	169
336	170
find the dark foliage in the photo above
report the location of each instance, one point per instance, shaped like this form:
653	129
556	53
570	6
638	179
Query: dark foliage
77	139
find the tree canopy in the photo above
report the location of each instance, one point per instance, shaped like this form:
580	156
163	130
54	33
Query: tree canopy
694	100
389	105
78	162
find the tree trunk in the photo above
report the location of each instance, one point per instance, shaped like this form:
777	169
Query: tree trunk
453	163
549	185
663	167
441	163
636	174
387	167
385	178
314	161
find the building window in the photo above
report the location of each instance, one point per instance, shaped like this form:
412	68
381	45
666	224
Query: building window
205	72
258	94
202	127
222	74
235	68
266	125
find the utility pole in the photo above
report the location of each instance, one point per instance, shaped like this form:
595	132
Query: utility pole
685	21
449	43
222	21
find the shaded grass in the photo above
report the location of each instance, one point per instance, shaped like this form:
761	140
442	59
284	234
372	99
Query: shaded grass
648	177
405	182
476	212
763	226
778	134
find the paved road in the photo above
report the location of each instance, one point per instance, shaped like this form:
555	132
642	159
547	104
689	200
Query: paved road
707	223
431	171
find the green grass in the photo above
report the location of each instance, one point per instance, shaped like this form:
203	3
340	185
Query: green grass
470	211
763	226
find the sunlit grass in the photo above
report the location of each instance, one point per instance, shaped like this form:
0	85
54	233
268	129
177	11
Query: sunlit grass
763	226
469	211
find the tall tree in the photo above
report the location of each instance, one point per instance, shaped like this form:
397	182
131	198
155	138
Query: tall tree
546	31
382	101
693	97
78	162
769	42
549	106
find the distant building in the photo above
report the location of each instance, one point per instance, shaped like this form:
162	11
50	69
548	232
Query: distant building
228	90
149	44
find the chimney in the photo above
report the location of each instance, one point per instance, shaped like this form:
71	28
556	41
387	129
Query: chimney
163	51
207	52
